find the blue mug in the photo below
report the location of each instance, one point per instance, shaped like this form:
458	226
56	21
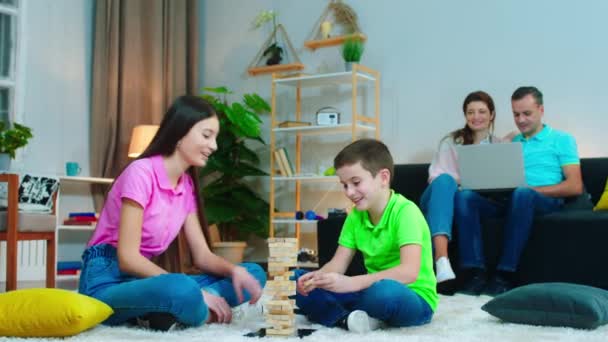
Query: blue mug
72	169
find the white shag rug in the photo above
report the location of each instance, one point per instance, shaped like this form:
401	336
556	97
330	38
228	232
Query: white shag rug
458	318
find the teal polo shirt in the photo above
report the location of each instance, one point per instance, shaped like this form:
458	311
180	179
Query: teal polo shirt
402	223
545	154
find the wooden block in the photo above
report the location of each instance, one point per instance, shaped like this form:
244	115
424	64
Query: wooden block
281	332
281	317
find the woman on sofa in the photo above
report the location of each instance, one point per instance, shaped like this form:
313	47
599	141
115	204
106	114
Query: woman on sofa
437	201
150	202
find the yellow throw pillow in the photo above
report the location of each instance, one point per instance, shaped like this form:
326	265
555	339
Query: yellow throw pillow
602	204
49	313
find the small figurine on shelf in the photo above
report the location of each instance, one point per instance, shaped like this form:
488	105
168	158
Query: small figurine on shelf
325	29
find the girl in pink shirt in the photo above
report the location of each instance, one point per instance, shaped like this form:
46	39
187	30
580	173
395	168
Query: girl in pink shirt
152	199
437	201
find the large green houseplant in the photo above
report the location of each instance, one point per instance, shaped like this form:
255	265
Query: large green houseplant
11	139
229	202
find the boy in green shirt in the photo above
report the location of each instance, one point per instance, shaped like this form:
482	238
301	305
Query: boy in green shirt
393	236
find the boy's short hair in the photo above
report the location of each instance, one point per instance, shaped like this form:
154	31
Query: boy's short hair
373	155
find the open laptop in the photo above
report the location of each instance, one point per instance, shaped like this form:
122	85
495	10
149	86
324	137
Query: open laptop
491	167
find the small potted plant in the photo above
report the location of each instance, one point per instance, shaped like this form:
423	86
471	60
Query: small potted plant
352	50
273	52
10	140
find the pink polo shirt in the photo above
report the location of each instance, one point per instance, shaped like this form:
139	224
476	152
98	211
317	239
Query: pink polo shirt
145	181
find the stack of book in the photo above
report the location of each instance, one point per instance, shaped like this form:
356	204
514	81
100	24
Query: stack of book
68	267
80	219
283	163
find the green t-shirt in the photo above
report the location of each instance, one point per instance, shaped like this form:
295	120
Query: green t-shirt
401	224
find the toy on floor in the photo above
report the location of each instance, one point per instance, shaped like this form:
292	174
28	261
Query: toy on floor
279	310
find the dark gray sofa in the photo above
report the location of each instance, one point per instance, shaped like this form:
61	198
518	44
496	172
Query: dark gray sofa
567	246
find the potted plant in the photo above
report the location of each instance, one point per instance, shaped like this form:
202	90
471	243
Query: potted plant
352	50
274	52
10	140
230	204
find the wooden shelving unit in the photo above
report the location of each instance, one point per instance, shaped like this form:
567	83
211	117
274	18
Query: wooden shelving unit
358	124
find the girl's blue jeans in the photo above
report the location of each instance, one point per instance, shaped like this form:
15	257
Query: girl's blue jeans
387	300
173	293
437	204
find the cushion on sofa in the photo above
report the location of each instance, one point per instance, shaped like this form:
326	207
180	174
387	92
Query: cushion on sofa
552	304
49	313
602	204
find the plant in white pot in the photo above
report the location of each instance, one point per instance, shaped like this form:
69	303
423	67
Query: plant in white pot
352	50
230	204
11	139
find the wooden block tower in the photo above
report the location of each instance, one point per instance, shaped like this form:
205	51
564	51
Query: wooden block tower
283	254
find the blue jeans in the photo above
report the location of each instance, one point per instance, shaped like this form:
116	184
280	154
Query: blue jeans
174	293
387	300
520	209
437	204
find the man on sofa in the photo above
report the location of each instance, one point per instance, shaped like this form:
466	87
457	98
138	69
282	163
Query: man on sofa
552	170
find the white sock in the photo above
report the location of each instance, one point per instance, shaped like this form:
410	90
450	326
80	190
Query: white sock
444	270
359	322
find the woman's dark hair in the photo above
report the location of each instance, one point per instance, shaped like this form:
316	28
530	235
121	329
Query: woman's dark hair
465	134
185	112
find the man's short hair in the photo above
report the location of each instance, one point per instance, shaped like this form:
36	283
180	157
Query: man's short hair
521	92
373	155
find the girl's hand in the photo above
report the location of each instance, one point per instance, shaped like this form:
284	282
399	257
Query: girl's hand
219	310
242	280
335	282
306	283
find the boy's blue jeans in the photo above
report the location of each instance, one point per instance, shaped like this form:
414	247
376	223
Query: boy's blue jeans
523	204
174	293
387	300
437	204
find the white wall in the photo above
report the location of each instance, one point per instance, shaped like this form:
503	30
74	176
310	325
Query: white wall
431	55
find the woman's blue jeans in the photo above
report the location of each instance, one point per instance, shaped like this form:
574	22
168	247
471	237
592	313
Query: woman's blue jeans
174	293
437	204
387	300
520	209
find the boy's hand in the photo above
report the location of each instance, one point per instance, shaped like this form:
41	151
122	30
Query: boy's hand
306	283
335	282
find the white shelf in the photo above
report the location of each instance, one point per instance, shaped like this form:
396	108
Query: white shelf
68	276
340	128
293	221
316	178
344	77
72	227
97	180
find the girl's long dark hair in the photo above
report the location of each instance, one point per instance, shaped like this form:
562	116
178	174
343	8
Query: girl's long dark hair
465	135
184	113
